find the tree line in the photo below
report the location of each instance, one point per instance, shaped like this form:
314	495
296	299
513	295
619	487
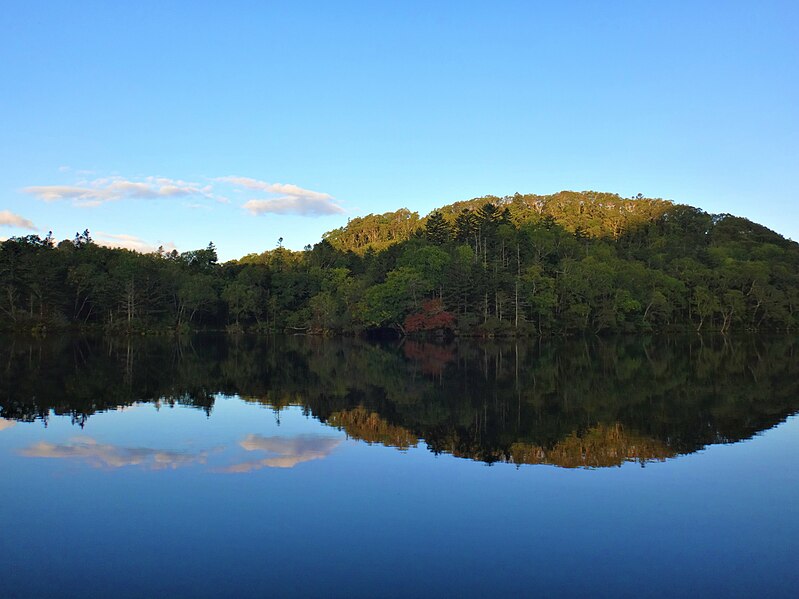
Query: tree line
517	265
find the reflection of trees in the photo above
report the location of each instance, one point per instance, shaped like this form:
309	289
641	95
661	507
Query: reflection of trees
603	445
577	402
367	426
431	358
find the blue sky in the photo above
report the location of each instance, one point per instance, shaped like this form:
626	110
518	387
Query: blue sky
178	123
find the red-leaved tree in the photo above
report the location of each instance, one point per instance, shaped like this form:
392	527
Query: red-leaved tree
432	317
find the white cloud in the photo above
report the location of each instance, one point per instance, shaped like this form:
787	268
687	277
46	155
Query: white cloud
129	242
292	199
109	189
278	198
293	205
281	188
247	182
9	219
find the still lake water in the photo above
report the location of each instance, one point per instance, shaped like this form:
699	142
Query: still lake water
217	466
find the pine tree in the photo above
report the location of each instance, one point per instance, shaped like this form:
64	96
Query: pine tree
437	230
488	215
465	226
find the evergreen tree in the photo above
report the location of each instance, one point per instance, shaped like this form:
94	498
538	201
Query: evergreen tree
437	230
465	226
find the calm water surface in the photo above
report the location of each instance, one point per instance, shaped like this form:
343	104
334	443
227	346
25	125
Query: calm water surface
308	467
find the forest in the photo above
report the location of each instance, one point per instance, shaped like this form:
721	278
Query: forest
521	265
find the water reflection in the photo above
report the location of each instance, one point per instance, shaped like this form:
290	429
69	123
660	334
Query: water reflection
286	452
4	424
602	445
100	455
572	403
290	451
359	423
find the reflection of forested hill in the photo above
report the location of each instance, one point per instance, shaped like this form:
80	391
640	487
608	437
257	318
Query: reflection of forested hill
581	402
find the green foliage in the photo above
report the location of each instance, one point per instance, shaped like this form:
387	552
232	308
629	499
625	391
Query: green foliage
518	265
437	230
375	231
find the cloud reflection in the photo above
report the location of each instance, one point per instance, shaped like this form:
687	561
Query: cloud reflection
287	453
4	424
290	451
113	456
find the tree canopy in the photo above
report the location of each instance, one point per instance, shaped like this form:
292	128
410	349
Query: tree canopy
517	265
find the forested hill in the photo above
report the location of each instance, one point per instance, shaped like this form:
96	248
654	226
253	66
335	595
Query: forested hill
518	265
587	213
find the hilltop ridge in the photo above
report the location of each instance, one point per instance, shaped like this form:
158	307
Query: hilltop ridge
594	213
518	265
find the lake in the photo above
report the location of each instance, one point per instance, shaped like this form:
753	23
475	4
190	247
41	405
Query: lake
300	466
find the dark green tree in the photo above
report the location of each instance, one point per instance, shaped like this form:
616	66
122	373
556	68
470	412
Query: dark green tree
437	230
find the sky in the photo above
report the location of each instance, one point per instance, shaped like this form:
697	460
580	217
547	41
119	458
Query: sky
179	123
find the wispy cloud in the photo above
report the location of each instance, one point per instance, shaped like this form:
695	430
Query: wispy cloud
113	456
9	219
291	199
129	242
276	198
279	188
109	189
290	451
293	205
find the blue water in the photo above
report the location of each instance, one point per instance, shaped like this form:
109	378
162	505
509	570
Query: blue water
157	501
